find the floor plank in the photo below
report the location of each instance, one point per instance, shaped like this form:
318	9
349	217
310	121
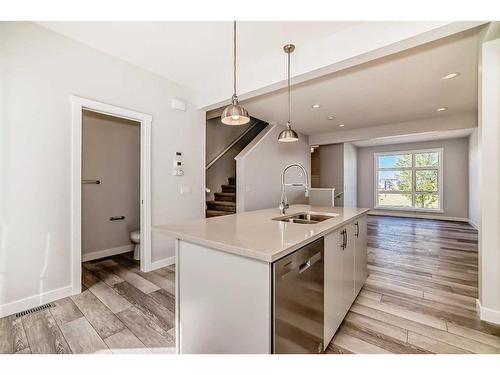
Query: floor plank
125	342
82	338
164	298
102	273
355	345
65	311
13	336
146	330
109	297
133	278
99	316
44	335
147	305
433	345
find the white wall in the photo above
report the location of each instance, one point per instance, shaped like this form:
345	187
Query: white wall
40	70
474	191
331	169
455	179
259	167
111	152
489	241
350	175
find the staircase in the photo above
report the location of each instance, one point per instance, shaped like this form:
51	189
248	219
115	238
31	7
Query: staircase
224	202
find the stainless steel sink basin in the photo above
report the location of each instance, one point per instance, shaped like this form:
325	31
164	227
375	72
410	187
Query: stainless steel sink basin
306	217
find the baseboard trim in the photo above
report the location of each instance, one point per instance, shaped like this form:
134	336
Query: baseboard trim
488	315
417	215
106	252
34	301
162	263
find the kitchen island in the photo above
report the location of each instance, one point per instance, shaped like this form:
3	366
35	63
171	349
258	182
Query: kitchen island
226	272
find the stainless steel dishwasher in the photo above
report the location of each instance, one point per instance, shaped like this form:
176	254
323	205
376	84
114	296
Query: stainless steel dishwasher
298	301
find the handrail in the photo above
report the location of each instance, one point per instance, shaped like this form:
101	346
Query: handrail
221	154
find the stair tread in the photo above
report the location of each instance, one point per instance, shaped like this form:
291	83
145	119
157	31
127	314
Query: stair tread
227	185
218	213
226	194
222	203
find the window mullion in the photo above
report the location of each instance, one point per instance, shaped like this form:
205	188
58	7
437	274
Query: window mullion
414	181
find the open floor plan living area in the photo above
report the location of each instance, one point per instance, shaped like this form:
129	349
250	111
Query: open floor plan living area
249	187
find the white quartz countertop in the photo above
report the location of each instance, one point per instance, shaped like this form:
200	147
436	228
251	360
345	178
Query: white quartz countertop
255	235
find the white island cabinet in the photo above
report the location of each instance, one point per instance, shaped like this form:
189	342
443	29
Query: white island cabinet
224	277
345	272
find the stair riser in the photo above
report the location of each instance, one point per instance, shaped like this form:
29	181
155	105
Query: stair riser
232	180
228	189
216	207
225	198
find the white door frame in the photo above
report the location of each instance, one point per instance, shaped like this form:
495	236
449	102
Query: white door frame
78	104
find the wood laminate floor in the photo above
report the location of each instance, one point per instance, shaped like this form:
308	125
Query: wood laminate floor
420	295
419	298
120	310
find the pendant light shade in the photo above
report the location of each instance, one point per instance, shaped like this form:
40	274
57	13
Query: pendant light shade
288	135
235	114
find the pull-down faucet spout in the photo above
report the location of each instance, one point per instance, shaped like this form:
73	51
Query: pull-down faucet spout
284	200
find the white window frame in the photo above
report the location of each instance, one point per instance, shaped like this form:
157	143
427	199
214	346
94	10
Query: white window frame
413	168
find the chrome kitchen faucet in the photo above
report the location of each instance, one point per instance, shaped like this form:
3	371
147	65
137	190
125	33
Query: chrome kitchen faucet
284	201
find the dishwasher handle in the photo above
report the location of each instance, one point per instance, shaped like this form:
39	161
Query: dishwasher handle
304	266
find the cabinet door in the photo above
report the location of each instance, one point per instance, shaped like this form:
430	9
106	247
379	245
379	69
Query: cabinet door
360	254
334	303
348	291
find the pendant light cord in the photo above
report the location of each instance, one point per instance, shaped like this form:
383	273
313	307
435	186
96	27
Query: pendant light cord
234	56
289	100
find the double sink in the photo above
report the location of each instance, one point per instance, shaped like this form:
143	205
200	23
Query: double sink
306	217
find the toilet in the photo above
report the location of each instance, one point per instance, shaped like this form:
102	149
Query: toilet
135	237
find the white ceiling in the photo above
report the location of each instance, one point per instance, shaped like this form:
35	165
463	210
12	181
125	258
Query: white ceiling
410	138
193	53
401	87
198	55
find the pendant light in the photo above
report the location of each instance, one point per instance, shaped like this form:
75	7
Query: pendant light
288	135
234	114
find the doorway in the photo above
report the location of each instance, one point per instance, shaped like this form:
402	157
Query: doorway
107	226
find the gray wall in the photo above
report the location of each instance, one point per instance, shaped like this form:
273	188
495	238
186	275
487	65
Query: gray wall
455	174
219	136
350	175
474	167
332	169
259	168
110	153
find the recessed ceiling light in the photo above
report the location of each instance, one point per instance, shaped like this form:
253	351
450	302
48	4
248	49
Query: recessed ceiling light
331	117
341	125
451	75
316	106
441	109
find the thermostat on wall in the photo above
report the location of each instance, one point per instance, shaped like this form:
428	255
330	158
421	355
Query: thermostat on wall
178	169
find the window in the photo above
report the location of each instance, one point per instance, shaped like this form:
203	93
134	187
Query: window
409	180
